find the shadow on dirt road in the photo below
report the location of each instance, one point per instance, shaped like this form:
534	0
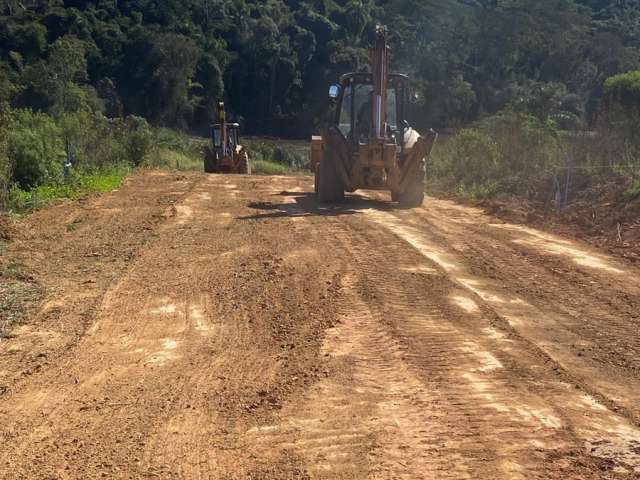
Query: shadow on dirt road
302	204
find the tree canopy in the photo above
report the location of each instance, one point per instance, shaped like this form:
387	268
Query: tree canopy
272	60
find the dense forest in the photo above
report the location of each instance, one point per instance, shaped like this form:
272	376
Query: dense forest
170	60
103	84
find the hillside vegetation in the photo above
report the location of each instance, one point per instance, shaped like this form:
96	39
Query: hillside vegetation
84	80
170	60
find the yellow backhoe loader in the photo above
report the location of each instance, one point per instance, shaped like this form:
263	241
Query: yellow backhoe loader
226	154
369	144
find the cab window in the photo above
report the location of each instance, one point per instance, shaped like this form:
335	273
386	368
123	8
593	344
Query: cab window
345	112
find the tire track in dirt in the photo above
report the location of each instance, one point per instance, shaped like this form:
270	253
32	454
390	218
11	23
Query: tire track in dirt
178	354
434	399
97	397
337	343
617	436
580	315
78	250
490	425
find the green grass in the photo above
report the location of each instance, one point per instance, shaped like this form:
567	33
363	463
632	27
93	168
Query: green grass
178	151
268	167
78	185
175	150
175	160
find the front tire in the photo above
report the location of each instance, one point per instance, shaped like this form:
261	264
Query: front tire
209	161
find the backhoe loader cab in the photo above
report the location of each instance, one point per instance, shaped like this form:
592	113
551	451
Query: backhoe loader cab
227	155
354	99
369	144
225	143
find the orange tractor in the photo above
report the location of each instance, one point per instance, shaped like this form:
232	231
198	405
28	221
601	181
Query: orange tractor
369	144
226	154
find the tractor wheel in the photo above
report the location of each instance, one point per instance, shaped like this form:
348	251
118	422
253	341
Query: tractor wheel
330	188
209	160
244	165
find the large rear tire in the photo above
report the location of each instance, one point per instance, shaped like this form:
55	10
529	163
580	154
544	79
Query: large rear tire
330	187
209	161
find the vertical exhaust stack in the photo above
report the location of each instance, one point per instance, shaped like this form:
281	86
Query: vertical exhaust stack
380	70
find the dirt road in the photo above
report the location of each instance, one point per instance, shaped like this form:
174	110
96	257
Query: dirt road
224	327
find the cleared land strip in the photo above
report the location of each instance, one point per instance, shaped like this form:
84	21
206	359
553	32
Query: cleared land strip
226	327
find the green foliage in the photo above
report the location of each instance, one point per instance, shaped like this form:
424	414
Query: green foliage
35	148
469	162
5	165
137	139
55	82
163	157
621	120
519	71
171	61
622	103
624	90
78	185
29	39
174	150
509	153
291	155
267	167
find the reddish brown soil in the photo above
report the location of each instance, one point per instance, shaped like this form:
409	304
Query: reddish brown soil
224	327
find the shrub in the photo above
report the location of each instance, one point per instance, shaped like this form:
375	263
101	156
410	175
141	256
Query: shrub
5	167
138	139
530	151
469	160
620	121
88	140
173	149
289	157
508	153
92	140
280	152
624	90
166	158
35	148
